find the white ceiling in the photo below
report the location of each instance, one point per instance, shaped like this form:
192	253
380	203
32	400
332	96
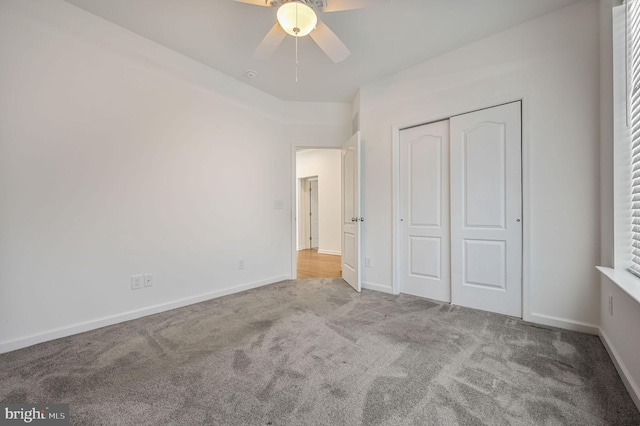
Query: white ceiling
383	39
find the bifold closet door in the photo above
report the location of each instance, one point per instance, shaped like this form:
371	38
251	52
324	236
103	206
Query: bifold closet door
424	211
486	209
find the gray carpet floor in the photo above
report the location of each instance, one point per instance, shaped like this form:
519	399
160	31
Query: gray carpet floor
314	352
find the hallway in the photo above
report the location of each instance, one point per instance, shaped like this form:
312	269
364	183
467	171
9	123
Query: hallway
312	264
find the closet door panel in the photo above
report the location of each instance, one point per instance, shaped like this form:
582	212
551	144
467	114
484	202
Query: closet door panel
486	210
424	197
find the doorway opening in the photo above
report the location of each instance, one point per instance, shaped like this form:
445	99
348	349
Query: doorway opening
318	212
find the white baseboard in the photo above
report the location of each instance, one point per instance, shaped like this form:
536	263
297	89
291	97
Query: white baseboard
23	342
565	323
336	253
377	287
629	383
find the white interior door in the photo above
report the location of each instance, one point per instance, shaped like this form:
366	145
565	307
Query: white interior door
351	219
486	210
313	215
424	211
304	239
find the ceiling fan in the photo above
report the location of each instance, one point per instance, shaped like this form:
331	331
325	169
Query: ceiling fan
298	18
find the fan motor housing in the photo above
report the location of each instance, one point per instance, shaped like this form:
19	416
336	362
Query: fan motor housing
317	4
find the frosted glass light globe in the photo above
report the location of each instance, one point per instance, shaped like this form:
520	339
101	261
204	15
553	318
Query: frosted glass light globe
297	19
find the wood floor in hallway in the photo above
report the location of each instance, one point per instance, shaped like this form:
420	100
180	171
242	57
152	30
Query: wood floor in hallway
312	264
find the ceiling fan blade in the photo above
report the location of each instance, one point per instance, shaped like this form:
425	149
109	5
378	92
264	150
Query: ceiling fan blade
269	43
256	2
340	5
329	42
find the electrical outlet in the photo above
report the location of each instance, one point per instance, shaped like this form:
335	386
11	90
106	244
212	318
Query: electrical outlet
148	280
136	282
241	264
367	262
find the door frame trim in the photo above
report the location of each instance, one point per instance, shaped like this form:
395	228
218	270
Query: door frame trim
525	98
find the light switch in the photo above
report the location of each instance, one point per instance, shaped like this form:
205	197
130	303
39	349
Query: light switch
136	282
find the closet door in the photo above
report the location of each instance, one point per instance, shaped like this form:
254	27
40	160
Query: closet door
424	211
486	210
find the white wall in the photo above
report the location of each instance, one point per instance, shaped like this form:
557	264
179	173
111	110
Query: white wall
619	332
618	326
119	157
326	165
317	124
553	64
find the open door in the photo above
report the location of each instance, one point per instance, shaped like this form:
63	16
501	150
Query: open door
351	219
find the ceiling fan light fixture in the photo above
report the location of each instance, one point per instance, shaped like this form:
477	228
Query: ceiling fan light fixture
297	19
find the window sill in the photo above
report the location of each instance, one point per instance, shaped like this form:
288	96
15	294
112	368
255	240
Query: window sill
624	279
